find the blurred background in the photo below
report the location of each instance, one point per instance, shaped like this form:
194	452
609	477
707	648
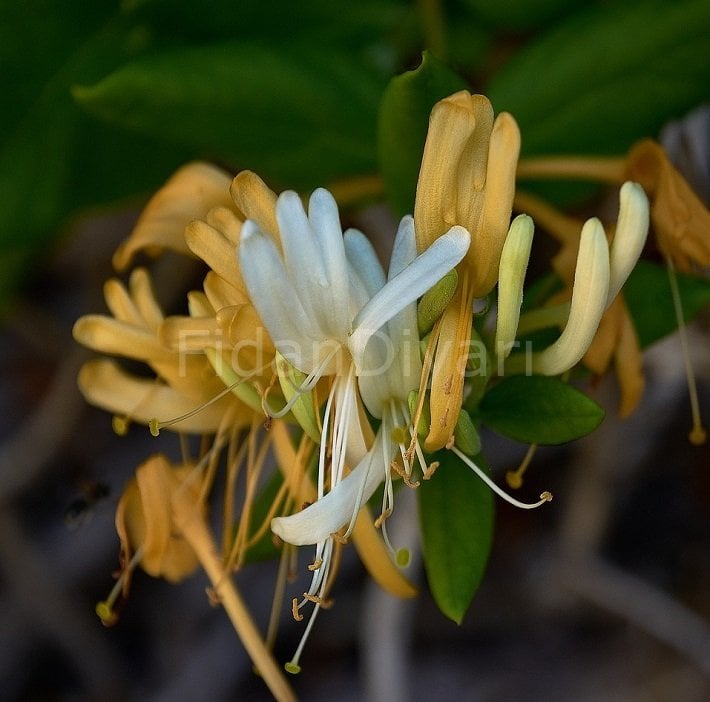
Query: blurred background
601	595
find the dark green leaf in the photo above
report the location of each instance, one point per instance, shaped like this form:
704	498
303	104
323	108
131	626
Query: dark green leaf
522	14
538	409
296	117
648	296
456	514
607	76
403	124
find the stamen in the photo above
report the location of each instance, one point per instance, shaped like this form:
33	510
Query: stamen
514	478
104	609
697	435
544	497
156	425
316	564
294	610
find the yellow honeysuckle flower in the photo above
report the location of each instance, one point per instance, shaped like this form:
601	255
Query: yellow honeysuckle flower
467	178
145	524
190	192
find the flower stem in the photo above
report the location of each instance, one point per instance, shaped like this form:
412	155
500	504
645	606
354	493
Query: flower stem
197	534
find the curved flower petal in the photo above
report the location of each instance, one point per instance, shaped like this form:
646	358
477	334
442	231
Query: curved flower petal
188	195
411	283
331	512
630	236
589	294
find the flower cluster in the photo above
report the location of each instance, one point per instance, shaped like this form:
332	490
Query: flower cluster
301	345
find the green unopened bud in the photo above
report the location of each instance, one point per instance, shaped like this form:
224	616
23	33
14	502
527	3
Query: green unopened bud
466	435
434	301
511	275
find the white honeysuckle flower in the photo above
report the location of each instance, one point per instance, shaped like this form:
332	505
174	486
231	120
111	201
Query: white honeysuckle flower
600	273
346	338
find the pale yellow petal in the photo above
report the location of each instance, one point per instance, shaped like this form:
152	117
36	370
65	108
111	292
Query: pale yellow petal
114	337
256	201
189	194
450	127
492	224
120	303
449	368
215	249
144	297
226	222
221	293
105	384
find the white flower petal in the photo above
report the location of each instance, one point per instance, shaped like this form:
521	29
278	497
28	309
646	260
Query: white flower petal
325	223
407	286
302	257
630	236
589	293
363	259
275	298
333	511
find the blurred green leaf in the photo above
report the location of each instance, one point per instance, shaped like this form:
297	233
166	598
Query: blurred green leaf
537	409
456	515
301	117
55	159
648	296
522	14
403	124
275	21
608	76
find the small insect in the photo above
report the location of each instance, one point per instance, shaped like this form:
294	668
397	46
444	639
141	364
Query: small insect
80	509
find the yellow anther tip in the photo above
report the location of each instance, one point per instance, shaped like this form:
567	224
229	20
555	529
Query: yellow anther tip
154	427
698	436
403	557
292	668
107	616
119	425
514	479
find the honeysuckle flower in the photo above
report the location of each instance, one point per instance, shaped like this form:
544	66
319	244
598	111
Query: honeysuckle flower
145	524
467	178
599	274
615	338
322	301
324	298
191	192
182	382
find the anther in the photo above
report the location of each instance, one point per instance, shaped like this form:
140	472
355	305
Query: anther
120	425
294	611
430	470
315	565
320	601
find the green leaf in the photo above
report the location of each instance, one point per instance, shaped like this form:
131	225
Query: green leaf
522	14
55	159
539	409
403	124
593	84
295	116
648	296
456	515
